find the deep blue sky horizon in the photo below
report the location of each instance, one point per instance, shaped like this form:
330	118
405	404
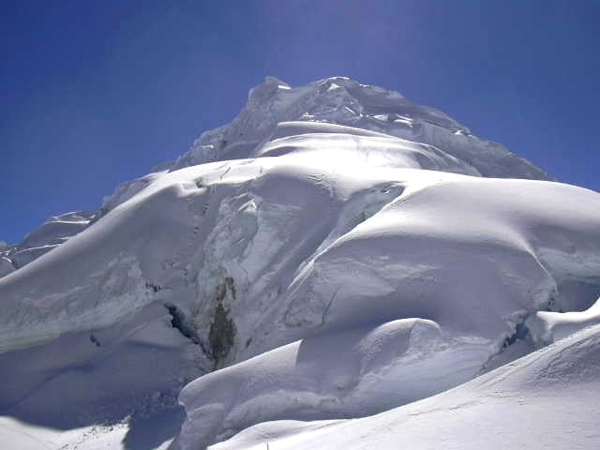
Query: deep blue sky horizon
97	93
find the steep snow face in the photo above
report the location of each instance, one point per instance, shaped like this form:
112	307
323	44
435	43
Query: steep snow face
469	257
344	101
193	230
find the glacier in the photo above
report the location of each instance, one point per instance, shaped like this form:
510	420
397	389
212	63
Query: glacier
335	252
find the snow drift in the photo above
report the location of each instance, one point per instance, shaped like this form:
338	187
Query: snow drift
541	401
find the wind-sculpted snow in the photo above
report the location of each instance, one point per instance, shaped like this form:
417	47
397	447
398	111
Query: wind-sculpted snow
275	110
545	400
550	326
335	252
343	101
465	255
333	375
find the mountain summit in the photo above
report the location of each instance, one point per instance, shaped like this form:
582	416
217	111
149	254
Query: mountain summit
275	110
343	101
335	252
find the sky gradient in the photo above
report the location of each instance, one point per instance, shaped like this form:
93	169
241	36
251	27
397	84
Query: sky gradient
96	93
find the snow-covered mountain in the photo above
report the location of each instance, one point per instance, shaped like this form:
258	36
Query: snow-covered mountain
47	237
337	251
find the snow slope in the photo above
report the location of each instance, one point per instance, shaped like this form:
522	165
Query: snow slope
336	251
270	106
470	259
47	237
344	101
545	400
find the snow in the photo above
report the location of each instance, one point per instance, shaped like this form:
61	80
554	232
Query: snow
335	252
473	278
342	101
551	326
541	401
344	374
20	435
47	237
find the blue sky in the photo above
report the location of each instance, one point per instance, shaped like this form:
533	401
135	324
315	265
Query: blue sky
99	92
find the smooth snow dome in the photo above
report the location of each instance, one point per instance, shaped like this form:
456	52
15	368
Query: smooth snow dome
336	252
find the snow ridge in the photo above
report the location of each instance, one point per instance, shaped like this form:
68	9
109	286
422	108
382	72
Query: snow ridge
343	101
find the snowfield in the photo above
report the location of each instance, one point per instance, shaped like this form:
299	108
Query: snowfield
336	252
544	400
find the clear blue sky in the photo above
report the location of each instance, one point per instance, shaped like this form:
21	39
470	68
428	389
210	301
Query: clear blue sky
99	92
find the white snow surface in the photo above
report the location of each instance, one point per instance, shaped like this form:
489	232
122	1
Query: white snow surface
544	400
47	237
335	252
344	101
